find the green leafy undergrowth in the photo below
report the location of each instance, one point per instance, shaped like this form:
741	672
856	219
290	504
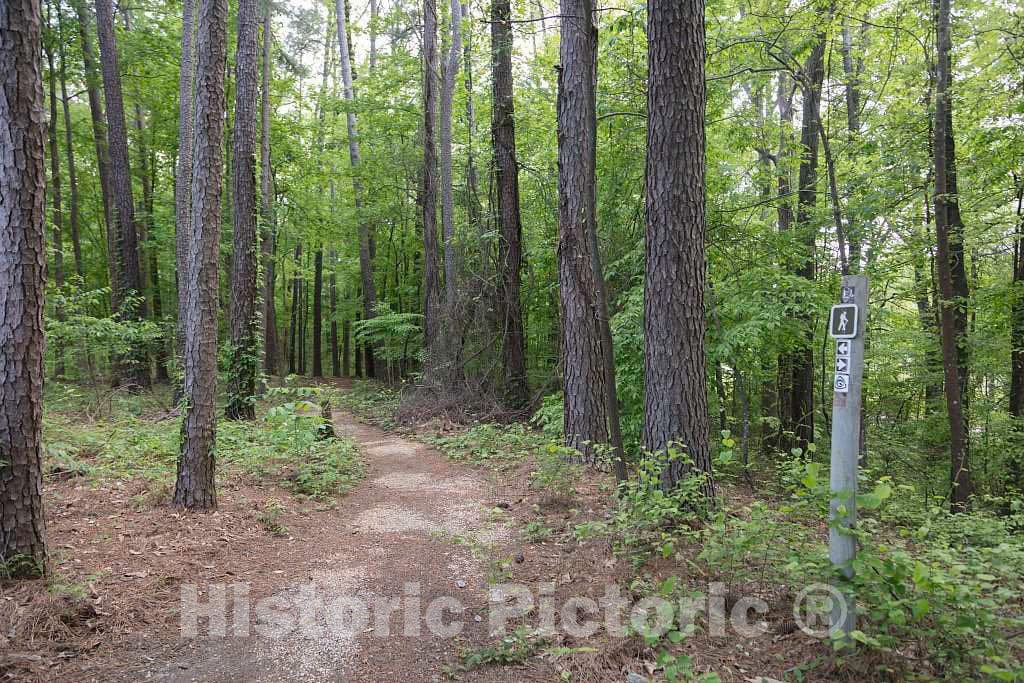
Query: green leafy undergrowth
372	401
492	445
283	444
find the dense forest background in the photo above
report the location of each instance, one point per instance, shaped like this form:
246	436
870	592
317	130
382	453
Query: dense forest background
774	258
561	245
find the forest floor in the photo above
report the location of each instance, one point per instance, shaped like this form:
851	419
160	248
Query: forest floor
420	524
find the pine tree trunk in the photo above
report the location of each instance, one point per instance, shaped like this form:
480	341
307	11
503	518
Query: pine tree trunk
346	348
800	420
244	353
365	233
183	169
1017	311
22	276
675	394
293	327
318	320
195	486
99	133
451	70
473	207
1016	399
56	202
951	271
333	314
432	313
268	230
132	369
585	409
506	168
73	207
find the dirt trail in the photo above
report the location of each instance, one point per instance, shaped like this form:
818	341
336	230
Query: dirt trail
416	519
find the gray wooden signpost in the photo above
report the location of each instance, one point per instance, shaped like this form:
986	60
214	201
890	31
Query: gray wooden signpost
846	325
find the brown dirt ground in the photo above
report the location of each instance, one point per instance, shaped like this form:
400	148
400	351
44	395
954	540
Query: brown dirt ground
128	558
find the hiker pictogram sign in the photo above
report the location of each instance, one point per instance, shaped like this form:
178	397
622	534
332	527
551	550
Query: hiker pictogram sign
843	321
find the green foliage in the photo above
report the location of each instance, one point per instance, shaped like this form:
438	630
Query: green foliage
492	445
650	518
556	474
270	516
393	335
131	436
511	650
370	400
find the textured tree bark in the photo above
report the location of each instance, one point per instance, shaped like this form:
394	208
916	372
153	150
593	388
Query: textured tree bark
22	275
56	200
244	353
1016	399
784	394
333	313
268	231
365	232
473	207
358	356
195	483
675	383
346	347
183	167
293	326
303	319
451	70
585	409
73	206
1016	405
432	337
132	370
851	70
952	277
99	134
318	315
506	169
801	362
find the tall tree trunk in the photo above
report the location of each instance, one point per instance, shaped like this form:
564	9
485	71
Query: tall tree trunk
473	207
358	356
132	369
22	275
365	233
506	169
318	316
1017	310
243	321
56	201
346	347
73	206
952	276
451	70
851	70
801	401
333	313
1016	475
195	484
268	230
183	170
675	393
99	133
428	199
585	412
784	394
293	327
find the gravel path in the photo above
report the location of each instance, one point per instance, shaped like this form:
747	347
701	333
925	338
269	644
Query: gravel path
418	526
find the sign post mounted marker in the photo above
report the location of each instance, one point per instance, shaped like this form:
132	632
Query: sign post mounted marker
846	324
